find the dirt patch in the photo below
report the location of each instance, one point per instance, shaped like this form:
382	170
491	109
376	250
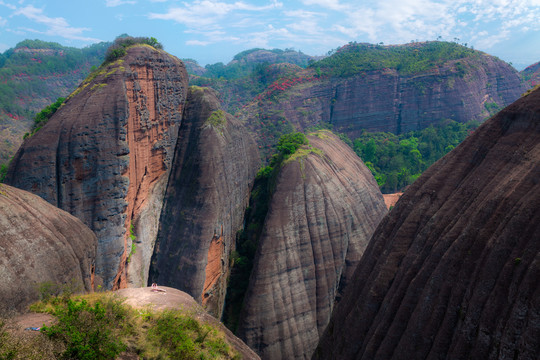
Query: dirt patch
391	199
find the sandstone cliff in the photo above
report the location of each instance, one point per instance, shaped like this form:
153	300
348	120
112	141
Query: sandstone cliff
324	209
105	157
470	87
531	74
40	243
214	167
452	272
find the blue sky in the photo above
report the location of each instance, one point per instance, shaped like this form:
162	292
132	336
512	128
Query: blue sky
210	31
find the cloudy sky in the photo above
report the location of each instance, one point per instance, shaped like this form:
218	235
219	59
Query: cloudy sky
215	30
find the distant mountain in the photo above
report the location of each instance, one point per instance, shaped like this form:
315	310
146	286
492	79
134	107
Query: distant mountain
384	88
531	74
33	75
248	74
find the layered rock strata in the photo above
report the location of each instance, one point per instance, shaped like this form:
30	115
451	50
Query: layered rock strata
324	209
106	154
452	272
215	164
40	244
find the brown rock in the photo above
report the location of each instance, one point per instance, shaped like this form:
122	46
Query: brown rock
40	243
324	209
105	157
453	271
214	167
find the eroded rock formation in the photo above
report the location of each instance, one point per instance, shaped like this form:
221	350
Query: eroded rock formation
452	272
105	157
324	209
40	243
388	100
214	167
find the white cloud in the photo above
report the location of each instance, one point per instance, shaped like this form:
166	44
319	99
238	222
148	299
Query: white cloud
114	3
9	6
329	4
205	13
3	21
197	42
55	26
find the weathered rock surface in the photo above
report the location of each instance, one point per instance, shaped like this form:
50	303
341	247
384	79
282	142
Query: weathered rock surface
40	243
105	157
215	163
325	208
385	100
453	271
531	74
174	299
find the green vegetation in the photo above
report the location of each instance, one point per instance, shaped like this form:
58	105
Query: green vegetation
397	160
217	119
412	58
121	43
44	115
100	326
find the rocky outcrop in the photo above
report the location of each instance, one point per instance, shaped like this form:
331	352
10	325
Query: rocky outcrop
106	154
388	99
324	209
452	272
173	299
214	167
531	74
40	244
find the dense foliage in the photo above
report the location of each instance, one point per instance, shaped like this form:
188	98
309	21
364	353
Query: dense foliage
247	239
44	115
412	58
121	43
100	326
397	160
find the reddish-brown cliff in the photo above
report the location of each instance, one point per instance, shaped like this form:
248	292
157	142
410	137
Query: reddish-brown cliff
324	209
215	164
38	244
453	271
105	157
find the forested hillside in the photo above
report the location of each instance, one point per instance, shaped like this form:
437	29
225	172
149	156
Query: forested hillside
33	75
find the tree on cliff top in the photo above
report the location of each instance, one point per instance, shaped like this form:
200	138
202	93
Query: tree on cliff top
121	43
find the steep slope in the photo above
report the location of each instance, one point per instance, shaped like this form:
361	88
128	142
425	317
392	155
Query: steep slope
33	75
385	88
531	74
324	209
452	272
40	243
106	154
214	167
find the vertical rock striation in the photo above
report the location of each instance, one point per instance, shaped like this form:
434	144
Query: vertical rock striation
40	243
106	154
452	272
324	209
214	167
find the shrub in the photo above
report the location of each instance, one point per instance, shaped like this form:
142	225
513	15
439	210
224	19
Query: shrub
118	48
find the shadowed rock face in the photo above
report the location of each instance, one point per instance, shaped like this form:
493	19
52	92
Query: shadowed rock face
40	243
452	272
324	209
105	157
213	171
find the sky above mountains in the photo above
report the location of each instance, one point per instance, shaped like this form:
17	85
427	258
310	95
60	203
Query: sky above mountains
211	31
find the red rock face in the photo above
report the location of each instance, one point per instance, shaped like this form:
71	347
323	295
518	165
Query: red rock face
452	272
105	157
214	167
325	207
40	243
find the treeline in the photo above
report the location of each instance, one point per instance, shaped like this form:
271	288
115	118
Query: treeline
412	58
119	47
398	160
